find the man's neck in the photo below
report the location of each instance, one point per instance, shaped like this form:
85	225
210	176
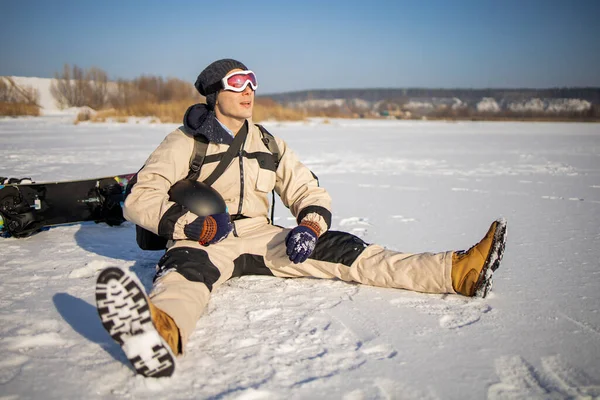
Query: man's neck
233	124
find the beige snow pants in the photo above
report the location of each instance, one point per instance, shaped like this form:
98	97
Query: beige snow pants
189	272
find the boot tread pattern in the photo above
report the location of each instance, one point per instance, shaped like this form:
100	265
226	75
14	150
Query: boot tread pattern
484	284
125	314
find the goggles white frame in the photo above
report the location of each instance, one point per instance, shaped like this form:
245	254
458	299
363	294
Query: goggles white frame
227	86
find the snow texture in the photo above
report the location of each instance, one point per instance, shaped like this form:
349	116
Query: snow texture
410	186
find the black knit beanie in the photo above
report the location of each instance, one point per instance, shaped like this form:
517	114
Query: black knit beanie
209	80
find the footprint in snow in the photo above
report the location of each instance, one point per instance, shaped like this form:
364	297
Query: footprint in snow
379	351
454	312
89	270
297	336
369	339
10	367
557	380
381	388
34	341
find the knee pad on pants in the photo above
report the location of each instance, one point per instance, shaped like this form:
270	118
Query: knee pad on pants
250	264
193	264
338	247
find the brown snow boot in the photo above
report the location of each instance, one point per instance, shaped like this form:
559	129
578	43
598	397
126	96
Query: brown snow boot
472	269
166	327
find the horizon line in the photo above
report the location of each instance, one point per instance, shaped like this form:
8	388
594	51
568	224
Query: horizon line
383	88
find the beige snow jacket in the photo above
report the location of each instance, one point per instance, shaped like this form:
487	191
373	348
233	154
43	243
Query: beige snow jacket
245	185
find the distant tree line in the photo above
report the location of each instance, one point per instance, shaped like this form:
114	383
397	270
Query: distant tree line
78	87
467	113
167	99
164	100
569	104
468	95
147	96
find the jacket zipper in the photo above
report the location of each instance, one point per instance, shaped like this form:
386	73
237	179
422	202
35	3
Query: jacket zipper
239	211
241	160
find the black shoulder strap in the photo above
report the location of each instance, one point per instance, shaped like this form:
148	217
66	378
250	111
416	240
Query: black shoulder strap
232	151
197	158
271	143
201	147
196	161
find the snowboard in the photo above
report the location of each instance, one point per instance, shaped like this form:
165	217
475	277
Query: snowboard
27	207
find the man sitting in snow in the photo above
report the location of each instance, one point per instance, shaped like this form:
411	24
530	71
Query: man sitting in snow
204	252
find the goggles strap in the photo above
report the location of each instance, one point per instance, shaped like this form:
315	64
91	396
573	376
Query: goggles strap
214	88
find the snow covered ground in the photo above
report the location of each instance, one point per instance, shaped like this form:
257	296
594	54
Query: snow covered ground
411	186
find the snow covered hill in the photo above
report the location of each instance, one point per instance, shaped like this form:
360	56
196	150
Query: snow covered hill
42	85
411	186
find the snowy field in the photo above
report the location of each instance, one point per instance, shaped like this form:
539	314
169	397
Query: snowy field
411	186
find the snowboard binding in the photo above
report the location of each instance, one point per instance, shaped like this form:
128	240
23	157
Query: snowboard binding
16	215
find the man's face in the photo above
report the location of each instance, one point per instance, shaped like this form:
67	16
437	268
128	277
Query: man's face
235	105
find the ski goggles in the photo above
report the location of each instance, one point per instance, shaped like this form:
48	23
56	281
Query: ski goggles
239	80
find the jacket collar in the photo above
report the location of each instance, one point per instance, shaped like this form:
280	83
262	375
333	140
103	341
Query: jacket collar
199	120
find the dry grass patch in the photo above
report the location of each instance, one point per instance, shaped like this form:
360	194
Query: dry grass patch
173	112
17	100
266	108
158	112
19	109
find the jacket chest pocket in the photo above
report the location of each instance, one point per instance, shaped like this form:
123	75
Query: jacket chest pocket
265	181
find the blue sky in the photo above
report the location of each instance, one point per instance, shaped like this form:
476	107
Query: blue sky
297	45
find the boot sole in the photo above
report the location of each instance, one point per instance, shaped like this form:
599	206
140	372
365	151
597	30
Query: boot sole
484	284
125	314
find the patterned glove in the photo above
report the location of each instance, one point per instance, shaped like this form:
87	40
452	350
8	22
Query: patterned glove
301	241
209	230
